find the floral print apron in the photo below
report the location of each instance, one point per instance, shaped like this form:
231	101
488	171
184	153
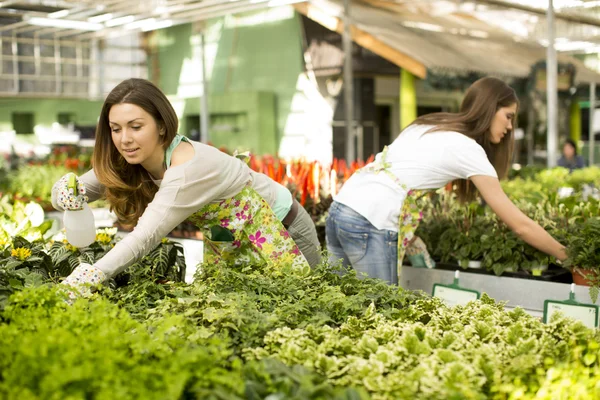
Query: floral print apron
409	219
257	235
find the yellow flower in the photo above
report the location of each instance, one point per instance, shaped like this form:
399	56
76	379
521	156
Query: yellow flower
165	240
69	246
103	238
21	253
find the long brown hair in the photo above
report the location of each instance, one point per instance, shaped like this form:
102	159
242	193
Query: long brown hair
129	187
479	106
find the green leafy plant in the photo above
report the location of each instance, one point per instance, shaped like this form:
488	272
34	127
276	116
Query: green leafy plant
585	176
23	264
163	264
463	241
583	250
504	251
468	352
34	183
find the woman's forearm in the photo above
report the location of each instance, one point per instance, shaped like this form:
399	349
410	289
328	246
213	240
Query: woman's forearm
537	237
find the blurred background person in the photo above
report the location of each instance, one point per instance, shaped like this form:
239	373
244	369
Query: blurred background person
570	159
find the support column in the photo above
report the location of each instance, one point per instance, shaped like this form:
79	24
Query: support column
591	141
530	133
348	86
408	99
204	115
551	91
575	121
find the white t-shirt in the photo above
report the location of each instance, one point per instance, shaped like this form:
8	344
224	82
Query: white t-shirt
420	161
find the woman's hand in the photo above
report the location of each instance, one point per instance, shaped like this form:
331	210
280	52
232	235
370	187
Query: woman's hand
527	229
82	277
68	193
418	255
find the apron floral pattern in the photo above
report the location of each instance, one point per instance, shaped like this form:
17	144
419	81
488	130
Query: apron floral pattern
409	218
258	237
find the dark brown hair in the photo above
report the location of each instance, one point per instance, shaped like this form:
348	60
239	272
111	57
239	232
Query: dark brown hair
479	106
129	187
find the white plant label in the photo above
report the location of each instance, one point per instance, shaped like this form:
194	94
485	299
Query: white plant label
453	296
588	314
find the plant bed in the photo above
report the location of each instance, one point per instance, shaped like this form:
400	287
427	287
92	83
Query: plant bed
254	332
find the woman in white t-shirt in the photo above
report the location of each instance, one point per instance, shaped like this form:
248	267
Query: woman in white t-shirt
473	147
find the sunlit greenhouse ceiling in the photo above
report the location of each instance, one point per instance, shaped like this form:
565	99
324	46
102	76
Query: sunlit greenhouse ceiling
577	22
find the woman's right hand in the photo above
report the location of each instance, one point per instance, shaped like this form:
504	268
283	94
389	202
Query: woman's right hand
68	193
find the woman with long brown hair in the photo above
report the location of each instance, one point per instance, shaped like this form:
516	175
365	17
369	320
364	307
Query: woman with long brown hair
154	179
372	221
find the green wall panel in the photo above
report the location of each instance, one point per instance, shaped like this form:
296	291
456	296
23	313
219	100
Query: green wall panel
253	64
239	120
46	111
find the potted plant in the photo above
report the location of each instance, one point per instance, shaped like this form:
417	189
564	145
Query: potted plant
446	227
462	242
583	250
504	251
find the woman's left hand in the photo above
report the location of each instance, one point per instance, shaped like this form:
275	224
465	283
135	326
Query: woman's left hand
82	277
418	255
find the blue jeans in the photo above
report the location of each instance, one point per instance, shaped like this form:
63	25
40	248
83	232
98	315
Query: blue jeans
352	238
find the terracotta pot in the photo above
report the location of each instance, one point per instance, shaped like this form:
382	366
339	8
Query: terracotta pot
579	275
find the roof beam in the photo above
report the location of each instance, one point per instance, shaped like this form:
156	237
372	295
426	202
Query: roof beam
364	39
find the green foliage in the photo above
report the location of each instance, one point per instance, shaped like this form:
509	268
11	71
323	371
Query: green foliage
246	304
94	349
34	182
50	350
470	352
583	250
23	264
504	251
584	246
464	242
580	177
251	333
20	219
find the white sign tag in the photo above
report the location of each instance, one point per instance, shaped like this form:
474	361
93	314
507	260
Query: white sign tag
454	296
588	314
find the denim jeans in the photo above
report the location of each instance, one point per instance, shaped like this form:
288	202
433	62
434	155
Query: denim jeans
352	238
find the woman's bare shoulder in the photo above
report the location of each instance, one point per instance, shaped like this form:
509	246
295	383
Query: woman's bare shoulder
183	153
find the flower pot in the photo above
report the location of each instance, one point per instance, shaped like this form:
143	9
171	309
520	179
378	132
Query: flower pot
579	276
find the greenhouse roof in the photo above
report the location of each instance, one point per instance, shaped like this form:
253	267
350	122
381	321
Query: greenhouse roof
421	42
503	37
